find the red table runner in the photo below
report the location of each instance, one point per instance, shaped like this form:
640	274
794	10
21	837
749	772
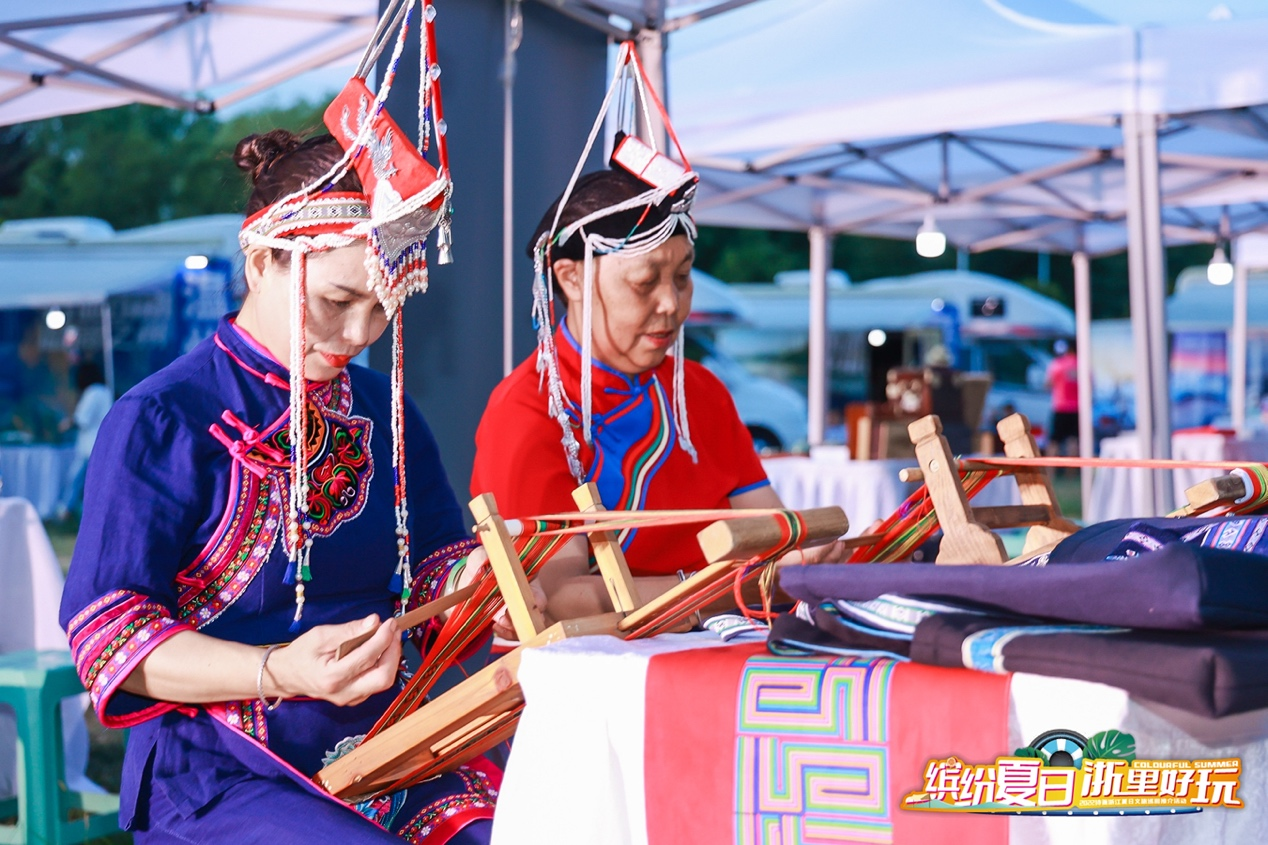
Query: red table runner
746	747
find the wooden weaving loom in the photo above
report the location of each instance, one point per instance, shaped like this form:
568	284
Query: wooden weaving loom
942	501
416	740
968	532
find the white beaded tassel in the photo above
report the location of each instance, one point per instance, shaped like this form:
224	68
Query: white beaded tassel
548	361
587	344
300	544
680	396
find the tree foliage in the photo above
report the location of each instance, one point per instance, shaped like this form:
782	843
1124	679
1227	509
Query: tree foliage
133	165
136	165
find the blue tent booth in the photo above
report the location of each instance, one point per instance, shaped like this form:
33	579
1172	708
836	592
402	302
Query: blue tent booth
73	288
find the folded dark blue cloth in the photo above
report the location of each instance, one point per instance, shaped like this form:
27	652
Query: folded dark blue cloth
1179	587
1208	673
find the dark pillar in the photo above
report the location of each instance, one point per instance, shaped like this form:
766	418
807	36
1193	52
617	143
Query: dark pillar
453	333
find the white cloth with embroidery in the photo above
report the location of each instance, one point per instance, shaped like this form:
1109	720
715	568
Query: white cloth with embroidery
586	712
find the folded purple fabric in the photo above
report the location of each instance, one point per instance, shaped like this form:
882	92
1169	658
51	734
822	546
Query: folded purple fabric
1179	587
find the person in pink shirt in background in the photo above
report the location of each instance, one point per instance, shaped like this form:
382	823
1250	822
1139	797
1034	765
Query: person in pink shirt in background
1063	381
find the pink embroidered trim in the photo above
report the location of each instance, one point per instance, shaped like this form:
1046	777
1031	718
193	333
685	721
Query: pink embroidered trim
229	563
109	638
446	816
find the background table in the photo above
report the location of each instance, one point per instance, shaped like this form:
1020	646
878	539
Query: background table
576	771
30	592
1119	493
35	473
866	490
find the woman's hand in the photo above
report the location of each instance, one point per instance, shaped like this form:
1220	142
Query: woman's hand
309	666
477	564
502	626
835	552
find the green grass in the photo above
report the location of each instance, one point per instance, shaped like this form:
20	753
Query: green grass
1069	495
62	535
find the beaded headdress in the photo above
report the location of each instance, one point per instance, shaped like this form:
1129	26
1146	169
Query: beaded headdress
657	214
404	198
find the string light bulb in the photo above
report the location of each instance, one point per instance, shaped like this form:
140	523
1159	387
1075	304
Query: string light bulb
930	241
1219	271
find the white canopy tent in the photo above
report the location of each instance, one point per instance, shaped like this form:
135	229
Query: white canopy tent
791	110
79	55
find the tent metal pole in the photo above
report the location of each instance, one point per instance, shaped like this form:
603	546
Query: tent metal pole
1145	502
514	33
1237	344
1156	299
107	345
817	380
1083	341
650	43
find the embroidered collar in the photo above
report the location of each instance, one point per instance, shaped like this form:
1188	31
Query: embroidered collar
611	386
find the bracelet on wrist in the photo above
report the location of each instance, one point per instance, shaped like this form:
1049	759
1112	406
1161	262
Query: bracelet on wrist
259	680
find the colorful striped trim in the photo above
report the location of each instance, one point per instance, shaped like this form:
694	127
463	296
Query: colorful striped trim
229	563
249	717
107	641
444	817
747	488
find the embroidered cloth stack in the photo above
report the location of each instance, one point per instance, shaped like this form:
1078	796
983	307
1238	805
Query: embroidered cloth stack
1172	610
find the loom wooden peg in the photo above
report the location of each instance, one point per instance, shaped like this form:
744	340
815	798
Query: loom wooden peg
1213	492
505	561
964	539
741	539
622	589
911	475
1033	483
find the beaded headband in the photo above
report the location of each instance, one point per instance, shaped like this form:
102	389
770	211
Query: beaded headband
665	180
405	197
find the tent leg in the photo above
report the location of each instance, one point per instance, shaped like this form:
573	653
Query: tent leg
107	345
650	44
1237	348
1146	503
1156	297
1083	340
817	381
514	30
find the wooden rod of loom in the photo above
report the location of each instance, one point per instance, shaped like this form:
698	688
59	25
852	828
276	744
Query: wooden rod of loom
727	548
741	539
413	619
613	567
505	562
1214	492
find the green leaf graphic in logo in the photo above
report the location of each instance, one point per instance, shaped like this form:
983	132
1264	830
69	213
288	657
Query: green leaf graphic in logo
1110	745
1027	751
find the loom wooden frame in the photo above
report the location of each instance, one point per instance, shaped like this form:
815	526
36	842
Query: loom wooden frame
482	710
967	532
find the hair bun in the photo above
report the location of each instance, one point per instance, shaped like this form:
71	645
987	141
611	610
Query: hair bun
255	153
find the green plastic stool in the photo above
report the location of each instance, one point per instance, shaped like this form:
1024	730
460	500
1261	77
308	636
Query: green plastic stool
34	683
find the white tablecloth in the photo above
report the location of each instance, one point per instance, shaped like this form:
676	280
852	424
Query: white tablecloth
584	723
1119	493
866	490
36	473
30	592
